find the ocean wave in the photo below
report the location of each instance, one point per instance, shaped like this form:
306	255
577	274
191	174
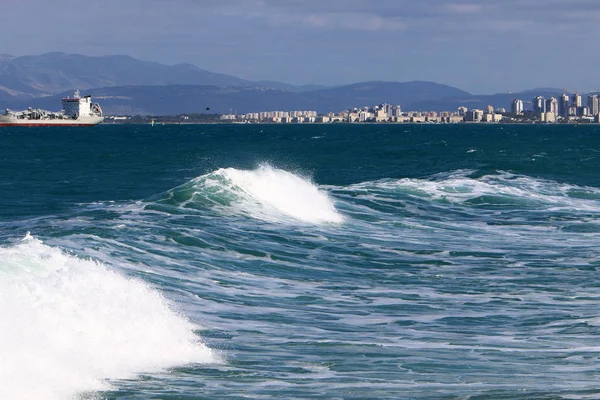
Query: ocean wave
266	193
499	190
69	324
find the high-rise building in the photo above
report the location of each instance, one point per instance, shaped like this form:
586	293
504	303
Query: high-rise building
593	104
576	100
552	105
585	111
474	115
539	105
563	106
387	108
517	107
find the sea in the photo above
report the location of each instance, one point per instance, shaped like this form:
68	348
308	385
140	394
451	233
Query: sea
321	261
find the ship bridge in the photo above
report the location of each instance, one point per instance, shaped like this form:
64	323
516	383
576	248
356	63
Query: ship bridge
77	106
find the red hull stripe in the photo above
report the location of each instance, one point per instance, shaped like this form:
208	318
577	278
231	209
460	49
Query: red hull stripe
66	124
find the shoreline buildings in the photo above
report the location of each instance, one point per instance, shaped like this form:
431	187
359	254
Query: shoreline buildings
563	109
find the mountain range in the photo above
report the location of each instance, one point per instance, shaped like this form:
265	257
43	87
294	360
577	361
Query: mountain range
125	85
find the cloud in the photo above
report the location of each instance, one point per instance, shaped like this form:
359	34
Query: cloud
463	8
327	41
300	14
353	21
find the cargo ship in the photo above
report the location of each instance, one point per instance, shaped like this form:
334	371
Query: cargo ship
76	111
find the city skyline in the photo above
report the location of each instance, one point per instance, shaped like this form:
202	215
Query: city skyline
575	107
481	47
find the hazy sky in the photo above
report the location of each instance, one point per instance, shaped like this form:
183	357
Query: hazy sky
483	46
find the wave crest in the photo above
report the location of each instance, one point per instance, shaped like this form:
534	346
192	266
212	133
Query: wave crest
502	189
68	324
265	193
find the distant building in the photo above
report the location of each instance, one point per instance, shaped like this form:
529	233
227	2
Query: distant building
487	117
552	106
548	117
576	100
585	112
563	106
381	115
571	111
539	105
517	107
593	104
353	117
474	115
387	108
364	116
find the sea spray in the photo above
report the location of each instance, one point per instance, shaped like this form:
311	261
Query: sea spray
495	190
68	324
292	195
266	193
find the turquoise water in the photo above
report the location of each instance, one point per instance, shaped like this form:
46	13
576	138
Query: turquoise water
300	262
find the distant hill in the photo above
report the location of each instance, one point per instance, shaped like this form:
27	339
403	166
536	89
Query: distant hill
288	87
124	85
534	92
498	100
174	99
171	99
372	93
54	73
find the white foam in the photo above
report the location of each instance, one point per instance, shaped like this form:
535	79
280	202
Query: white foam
459	187
68	324
269	191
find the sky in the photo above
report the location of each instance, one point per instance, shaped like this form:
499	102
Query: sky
483	47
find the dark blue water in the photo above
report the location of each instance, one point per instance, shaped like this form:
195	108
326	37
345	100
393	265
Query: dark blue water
299	262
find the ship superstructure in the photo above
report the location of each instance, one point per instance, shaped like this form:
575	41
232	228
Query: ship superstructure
77	111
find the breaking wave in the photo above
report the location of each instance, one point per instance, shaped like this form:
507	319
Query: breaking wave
68	324
265	193
499	190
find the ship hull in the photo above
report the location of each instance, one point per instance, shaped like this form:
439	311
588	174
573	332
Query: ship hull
50	122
